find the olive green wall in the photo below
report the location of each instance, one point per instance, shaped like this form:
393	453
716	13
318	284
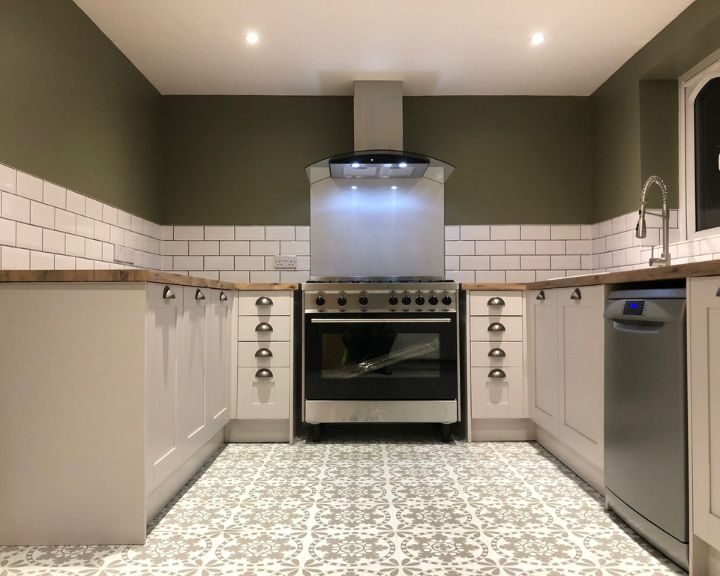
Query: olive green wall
74	110
241	159
635	112
519	159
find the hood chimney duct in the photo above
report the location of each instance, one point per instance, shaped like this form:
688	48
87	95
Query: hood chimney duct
378	106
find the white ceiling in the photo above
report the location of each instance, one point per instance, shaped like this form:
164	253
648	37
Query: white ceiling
310	47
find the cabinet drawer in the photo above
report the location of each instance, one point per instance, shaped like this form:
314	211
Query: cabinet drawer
479	354
480	332
280	355
249	304
510	304
263	398
497	397
247	329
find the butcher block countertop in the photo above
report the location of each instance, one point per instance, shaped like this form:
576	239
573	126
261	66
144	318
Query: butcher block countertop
676	272
132	276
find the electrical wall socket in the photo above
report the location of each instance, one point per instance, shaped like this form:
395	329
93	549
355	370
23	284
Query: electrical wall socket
285	262
124	255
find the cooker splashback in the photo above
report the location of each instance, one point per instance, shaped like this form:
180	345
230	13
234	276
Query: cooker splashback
377	229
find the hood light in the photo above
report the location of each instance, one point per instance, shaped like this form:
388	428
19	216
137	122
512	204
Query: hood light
353	187
393	187
403	164
355	164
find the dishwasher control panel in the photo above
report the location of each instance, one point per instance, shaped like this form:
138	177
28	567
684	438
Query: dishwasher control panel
634	307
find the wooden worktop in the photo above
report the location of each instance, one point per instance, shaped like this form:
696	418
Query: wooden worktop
133	276
676	272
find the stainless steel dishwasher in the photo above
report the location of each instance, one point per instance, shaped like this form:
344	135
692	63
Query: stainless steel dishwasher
646	474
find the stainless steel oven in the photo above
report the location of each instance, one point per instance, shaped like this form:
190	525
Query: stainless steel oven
380	353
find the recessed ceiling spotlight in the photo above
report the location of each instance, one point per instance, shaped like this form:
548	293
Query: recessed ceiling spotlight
252	37
537	39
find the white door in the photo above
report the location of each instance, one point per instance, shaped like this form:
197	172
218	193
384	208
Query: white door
192	413
543	357
581	370
217	400
704	389
164	316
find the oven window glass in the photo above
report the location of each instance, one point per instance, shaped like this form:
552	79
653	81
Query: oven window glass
382	352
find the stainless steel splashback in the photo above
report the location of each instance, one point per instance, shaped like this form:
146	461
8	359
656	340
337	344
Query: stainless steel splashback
377	229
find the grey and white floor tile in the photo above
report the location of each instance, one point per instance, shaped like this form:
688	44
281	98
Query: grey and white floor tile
356	508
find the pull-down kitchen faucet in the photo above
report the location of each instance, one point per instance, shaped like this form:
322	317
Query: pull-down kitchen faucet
641	230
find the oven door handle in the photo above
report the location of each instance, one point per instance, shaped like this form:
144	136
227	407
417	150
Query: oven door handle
380	320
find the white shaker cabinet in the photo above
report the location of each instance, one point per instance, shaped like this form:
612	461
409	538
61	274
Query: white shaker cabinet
220	353
704	396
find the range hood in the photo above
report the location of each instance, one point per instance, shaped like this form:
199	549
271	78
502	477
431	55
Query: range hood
378	122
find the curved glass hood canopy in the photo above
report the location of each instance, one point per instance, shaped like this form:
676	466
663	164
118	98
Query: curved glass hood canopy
379	164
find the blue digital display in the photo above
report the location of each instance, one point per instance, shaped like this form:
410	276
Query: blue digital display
634	307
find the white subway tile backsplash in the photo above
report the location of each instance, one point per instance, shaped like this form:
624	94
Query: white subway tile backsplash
578	246
15	258
64	262
461	275
249	233
210	275
42	215
550	247
490	276
234	247
219	263
459	248
490	247
187	262
619	224
175	248
14	207
74	245
586	232
54	195
535	262
188	233
280	233
265	248
302	233
41	261
136	224
504	262
110	215
505	232
204	248
249	263
29	237
93	249
541	275
235	275
565	262
474	262
93	209
452	262
520	247
535	232
520	276
452	233
75	202
295	248
565	232
264	276
8	179
474	233
219	233
84	226
108	253
65	221
294	276
7	232
124	220
29	187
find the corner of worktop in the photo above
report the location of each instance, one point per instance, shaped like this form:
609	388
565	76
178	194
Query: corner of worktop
490	286
265	286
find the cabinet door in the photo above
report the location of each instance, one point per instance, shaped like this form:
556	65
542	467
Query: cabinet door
543	356
704	388
192	413
263	394
497	392
217	401
581	370
163	320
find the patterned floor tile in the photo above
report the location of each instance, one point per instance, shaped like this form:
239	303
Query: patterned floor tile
400	506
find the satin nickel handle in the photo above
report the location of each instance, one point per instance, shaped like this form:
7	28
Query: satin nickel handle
718	292
576	294
263	301
199	295
496	327
263	353
497	373
496	301
223	297
380	320
541	295
263	373
263	327
168	294
496	353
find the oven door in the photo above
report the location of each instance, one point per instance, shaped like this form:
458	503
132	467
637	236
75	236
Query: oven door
388	356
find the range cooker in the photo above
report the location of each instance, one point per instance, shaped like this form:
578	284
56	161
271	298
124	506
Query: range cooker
380	352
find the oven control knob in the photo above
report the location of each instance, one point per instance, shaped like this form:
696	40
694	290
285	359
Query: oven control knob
393	300
342	301
419	300
320	301
363	300
447	300
433	300
407	300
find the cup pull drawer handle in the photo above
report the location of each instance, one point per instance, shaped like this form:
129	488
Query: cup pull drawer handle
199	295
263	301
263	373
496	353
263	327
496	327
496	301
263	353
576	294
497	373
223	297
168	294
541	295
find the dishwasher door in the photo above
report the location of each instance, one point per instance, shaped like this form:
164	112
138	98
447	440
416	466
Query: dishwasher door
646	407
